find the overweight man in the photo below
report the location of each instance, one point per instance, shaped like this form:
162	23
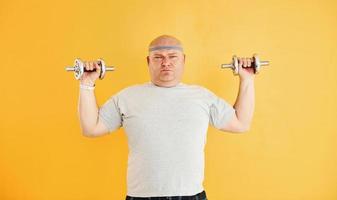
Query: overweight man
166	122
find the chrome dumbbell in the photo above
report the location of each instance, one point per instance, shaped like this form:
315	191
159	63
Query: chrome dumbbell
257	63
79	68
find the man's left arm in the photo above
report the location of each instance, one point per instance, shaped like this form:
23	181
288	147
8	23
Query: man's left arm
245	102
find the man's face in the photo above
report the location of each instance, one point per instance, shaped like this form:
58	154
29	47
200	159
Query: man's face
166	66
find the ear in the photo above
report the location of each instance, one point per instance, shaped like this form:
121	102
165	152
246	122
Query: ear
184	58
148	60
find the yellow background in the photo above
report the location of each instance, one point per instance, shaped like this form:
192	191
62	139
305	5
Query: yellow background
290	153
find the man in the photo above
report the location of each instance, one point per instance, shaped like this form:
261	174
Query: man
166	122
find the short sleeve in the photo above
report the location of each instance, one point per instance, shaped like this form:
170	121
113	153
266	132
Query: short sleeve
110	114
221	112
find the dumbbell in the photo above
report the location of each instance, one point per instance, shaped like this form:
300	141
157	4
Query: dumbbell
79	68
257	63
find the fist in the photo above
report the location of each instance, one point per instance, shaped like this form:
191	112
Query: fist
91	73
246	68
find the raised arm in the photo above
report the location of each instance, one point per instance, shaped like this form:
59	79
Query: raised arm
90	123
245	102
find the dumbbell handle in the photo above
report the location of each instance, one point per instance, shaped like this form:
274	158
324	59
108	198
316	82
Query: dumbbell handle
262	63
85	70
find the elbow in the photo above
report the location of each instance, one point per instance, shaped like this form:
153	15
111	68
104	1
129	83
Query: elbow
237	130
88	133
241	129
245	129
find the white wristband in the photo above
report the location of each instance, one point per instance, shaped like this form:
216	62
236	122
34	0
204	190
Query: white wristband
86	87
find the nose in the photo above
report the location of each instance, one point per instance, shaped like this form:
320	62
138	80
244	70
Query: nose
166	61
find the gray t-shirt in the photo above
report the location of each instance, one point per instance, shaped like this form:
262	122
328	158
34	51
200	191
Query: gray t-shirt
166	130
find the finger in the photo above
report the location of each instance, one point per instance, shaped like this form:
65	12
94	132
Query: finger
91	66
96	66
249	61
240	62
244	62
86	65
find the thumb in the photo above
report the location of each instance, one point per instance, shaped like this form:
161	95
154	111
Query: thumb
98	66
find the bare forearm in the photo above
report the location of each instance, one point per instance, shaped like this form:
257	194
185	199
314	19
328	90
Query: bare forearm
87	110
245	102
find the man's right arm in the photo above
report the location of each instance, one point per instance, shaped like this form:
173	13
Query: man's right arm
91	125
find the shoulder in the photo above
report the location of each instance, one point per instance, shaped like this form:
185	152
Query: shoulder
203	92
126	91
131	88
202	89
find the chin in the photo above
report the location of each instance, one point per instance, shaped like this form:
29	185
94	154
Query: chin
167	80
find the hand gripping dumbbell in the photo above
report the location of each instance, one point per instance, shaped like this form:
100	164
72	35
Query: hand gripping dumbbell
79	68
256	64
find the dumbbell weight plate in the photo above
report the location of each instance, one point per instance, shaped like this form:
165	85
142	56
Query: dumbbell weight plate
257	64
235	65
79	68
102	64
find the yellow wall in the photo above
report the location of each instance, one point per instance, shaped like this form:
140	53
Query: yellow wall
289	153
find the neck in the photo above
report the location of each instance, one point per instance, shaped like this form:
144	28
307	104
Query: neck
165	84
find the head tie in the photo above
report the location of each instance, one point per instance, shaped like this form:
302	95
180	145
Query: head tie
165	47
